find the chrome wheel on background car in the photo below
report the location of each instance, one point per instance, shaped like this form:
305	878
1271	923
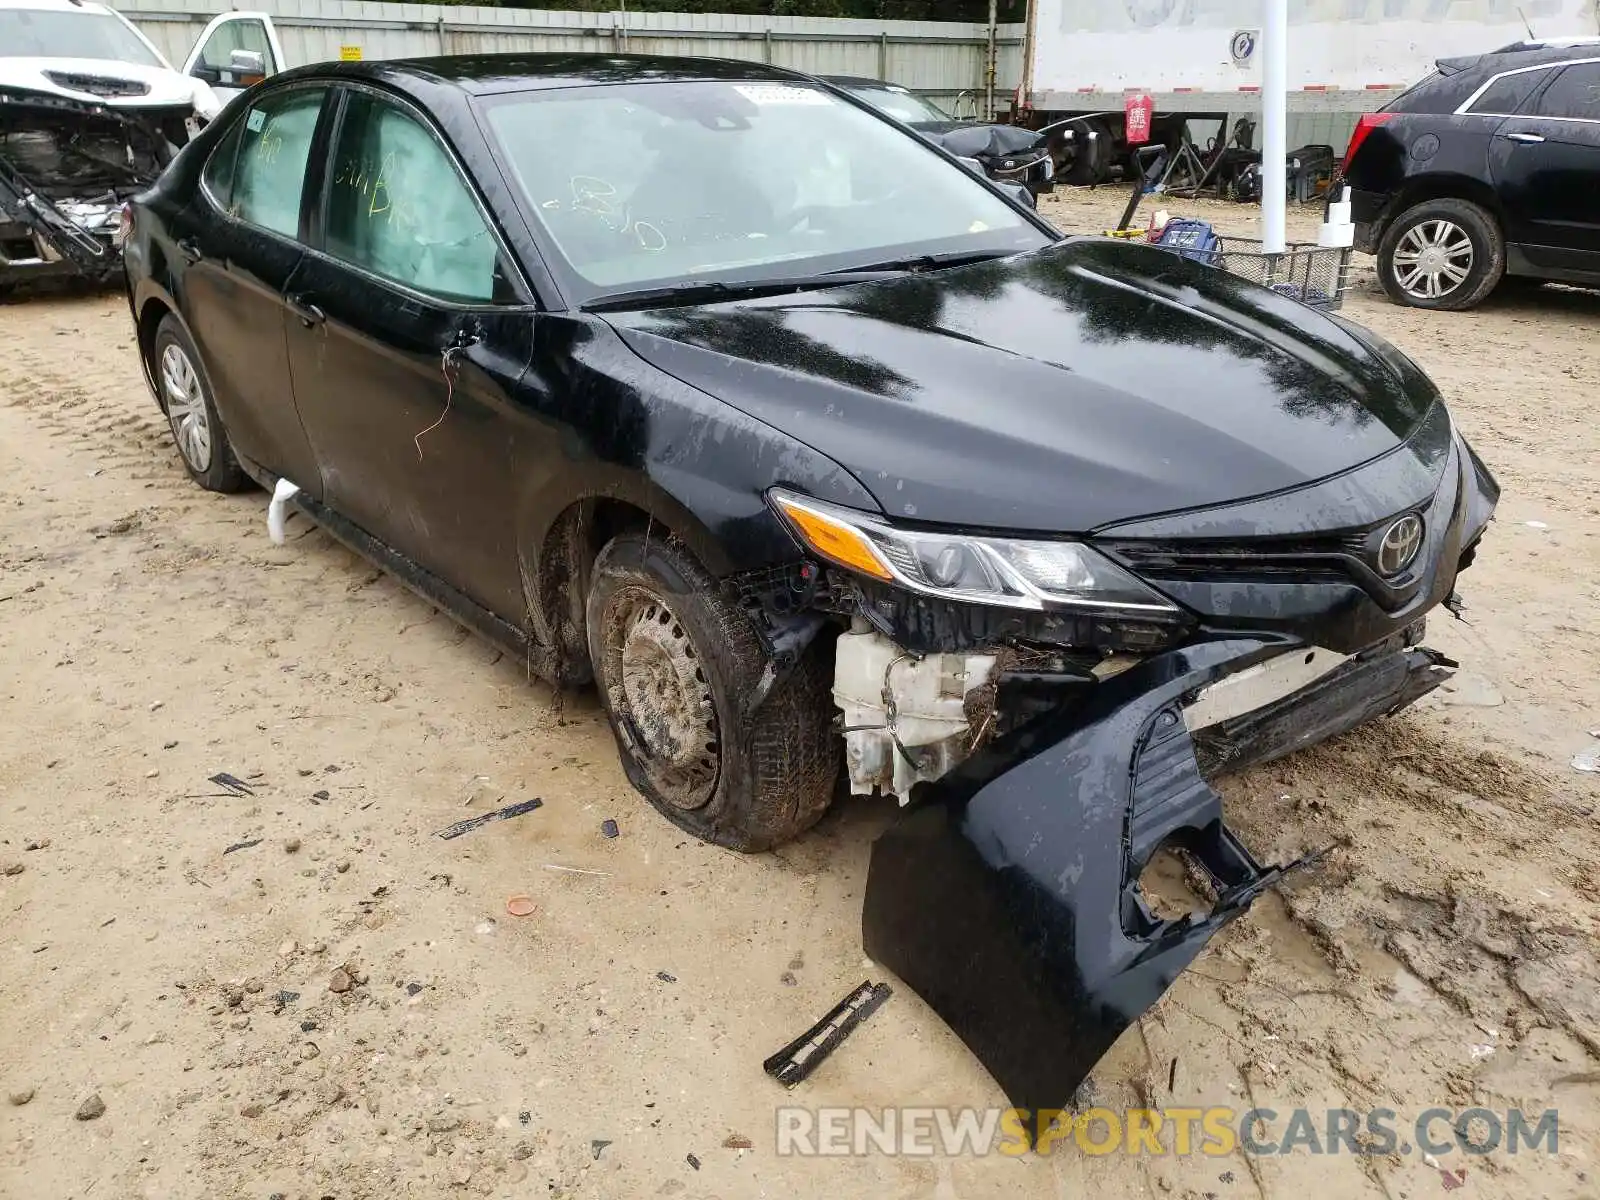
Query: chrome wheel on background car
186	408
1432	259
1445	254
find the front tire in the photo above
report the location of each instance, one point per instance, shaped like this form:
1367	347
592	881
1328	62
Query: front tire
677	665
192	413
1442	254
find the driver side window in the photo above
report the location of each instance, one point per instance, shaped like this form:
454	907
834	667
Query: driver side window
398	207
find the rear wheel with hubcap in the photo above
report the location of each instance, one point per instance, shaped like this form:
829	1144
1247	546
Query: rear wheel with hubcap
678	667
1444	254
186	396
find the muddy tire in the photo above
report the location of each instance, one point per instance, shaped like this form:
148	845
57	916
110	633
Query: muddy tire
677	667
1442	254
191	412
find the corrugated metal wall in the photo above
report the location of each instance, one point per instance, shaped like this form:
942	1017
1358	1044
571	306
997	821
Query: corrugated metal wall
938	58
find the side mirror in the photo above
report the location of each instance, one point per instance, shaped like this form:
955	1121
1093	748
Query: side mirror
248	62
1017	191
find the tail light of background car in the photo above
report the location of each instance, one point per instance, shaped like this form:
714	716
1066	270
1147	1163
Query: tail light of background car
1367	123
124	226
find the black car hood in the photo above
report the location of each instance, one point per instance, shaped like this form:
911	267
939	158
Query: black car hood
978	141
1066	389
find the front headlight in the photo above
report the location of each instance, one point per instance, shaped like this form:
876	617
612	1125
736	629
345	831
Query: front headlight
1008	572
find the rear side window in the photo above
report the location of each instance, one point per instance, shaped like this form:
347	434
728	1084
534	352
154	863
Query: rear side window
398	207
218	174
1575	93
1508	93
271	169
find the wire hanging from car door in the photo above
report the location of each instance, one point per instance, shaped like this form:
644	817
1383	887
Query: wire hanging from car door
450	367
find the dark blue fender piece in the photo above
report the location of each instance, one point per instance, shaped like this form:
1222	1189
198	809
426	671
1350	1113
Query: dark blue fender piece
1008	899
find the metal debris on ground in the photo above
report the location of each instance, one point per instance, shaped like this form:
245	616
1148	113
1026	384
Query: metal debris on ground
499	814
796	1061
242	846
608	828
233	785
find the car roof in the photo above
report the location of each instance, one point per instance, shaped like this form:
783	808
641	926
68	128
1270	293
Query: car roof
1521	54
489	74
863	81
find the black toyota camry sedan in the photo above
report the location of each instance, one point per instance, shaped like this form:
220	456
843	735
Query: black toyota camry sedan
822	456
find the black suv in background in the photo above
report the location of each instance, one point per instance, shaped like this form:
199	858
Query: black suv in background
1488	168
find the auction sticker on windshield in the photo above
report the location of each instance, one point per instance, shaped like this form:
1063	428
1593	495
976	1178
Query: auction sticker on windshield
771	94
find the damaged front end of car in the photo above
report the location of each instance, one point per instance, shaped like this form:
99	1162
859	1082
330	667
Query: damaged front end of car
1063	714
66	168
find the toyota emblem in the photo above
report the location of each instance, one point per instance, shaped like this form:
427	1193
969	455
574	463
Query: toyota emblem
1398	548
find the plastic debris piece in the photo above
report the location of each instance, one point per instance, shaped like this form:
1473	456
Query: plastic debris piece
242	846
1536	525
573	870
609	828
234	785
499	814
520	906
1588	760
413	989
796	1061
596	1146
277	509
692	1161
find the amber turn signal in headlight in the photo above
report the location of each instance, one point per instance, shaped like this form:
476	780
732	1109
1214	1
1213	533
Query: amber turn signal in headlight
832	538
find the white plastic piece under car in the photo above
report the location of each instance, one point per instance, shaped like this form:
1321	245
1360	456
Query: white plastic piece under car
905	717
278	509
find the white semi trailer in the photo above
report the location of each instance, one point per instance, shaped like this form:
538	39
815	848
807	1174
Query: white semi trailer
1082	57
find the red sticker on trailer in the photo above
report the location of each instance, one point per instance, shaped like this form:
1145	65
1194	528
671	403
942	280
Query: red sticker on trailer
1137	111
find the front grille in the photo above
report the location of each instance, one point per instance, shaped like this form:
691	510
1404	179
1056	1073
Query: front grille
1329	555
97	85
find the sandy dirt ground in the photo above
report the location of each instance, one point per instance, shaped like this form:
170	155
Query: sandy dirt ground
304	992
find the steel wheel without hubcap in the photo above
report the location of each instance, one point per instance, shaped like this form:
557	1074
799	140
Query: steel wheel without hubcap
186	408
663	697
1432	259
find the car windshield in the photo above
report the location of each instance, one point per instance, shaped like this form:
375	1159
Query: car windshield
81	33
665	182
900	104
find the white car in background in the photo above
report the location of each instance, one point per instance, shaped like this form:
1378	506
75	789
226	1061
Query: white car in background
90	114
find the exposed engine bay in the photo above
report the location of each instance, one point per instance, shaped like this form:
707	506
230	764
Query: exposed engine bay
66	167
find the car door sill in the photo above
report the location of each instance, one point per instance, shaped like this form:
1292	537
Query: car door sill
423	583
1581	267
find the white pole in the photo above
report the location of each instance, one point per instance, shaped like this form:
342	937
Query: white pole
1274	122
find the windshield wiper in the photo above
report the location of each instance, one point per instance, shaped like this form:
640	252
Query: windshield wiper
710	291
935	262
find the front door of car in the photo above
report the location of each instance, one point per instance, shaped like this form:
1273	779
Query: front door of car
1547	166
406	343
238	240
234	51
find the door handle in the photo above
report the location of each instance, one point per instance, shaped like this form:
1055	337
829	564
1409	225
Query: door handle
308	312
190	250
1525	138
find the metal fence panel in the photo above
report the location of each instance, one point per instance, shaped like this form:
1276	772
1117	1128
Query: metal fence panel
940	58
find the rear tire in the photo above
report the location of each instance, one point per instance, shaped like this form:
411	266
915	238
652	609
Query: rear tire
677	664
191	412
1442	254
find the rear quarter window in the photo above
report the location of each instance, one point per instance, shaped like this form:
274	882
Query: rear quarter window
1506	95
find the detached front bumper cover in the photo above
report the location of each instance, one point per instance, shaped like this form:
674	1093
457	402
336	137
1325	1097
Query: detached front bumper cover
1009	899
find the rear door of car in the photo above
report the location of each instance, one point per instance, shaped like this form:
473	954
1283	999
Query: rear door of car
212	59
239	242
1546	165
408	335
